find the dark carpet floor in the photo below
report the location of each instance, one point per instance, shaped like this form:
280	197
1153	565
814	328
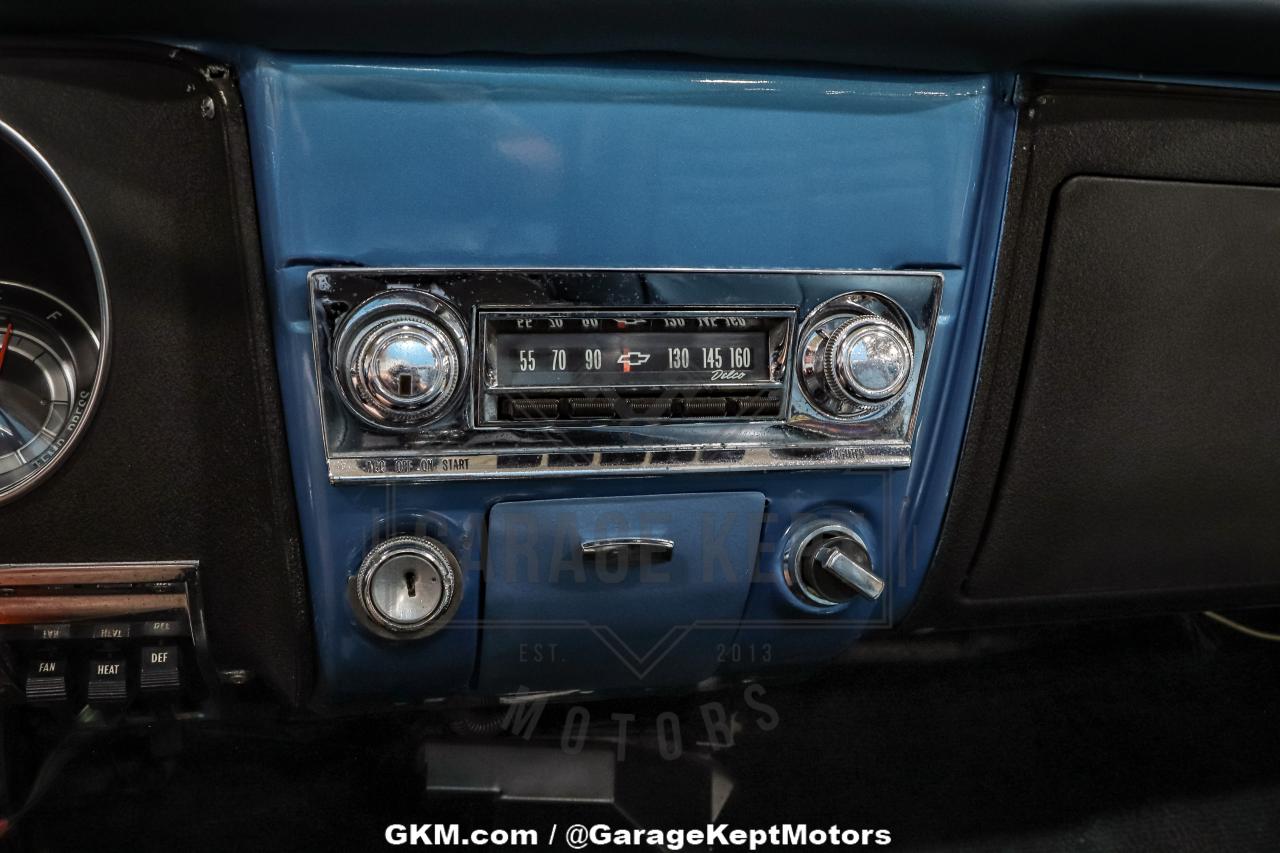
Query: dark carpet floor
1145	735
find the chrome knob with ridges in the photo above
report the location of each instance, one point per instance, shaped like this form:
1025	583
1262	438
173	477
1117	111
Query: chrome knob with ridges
854	363
408	586
868	361
399	359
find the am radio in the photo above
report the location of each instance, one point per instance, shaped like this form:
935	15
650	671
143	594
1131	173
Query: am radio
436	374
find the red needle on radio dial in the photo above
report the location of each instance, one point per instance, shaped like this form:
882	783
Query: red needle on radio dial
4	346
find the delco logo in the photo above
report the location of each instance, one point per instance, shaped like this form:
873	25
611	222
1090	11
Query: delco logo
633	359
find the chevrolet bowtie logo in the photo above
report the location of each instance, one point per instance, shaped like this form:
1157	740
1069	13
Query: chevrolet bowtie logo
633	359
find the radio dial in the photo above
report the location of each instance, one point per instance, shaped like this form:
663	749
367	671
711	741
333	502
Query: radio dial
399	359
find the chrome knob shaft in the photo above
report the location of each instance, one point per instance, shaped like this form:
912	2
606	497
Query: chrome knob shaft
845	560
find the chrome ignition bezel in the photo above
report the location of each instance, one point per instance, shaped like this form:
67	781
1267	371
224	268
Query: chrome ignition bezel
429	551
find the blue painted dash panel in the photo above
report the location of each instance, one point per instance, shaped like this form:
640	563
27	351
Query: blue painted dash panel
496	163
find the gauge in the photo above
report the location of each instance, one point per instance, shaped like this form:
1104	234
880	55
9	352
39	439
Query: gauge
49	361
54	318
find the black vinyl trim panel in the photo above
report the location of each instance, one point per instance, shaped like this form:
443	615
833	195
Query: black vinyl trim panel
186	456
1192	140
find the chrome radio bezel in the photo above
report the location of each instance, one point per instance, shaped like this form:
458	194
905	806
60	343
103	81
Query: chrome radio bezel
459	448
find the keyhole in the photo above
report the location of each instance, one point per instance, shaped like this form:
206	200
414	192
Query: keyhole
406	388
411	583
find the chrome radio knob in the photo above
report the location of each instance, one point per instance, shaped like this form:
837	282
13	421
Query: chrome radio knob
399	359
855	365
868	360
409	585
828	564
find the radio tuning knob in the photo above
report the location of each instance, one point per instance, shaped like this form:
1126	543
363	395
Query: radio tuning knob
828	564
399	359
868	360
408	586
855	365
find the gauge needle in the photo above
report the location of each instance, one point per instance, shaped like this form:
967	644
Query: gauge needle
4	346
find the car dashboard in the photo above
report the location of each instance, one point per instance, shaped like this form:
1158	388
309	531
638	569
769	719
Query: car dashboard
386	380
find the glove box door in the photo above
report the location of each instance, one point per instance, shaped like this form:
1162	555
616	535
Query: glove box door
615	593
